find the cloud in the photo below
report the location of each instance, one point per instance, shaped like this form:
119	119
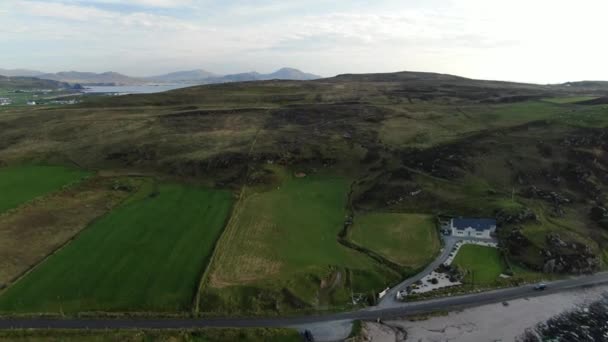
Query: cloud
141	3
163	3
100	18
471	37
63	11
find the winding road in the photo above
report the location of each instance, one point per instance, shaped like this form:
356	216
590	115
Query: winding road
390	298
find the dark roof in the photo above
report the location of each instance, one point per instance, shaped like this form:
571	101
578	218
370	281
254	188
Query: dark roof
479	224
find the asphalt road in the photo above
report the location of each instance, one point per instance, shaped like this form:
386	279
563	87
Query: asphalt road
366	314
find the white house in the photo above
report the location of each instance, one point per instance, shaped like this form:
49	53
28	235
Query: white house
480	228
5	101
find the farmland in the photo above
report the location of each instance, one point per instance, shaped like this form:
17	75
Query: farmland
410	240
389	150
198	335
482	264
35	230
19	184
146	255
285	240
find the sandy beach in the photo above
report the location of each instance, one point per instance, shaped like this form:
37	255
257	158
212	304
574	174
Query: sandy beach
493	322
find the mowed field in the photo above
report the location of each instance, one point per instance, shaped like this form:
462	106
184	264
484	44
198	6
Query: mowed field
34	230
482	264
410	240
19	184
285	240
145	255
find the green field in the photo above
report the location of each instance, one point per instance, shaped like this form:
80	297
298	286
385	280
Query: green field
482	264
198	335
410	240
570	99
146	255
19	184
286	240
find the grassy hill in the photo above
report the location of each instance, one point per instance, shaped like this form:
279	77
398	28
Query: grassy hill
26	83
317	163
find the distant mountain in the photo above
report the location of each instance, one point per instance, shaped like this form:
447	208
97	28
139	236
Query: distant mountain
206	77
90	78
23	83
241	77
20	72
281	74
587	84
189	76
290	74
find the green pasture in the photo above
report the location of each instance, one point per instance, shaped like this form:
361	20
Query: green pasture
285	239
19	184
482	264
410	240
147	255
196	335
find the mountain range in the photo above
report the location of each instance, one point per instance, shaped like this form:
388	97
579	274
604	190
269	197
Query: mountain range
194	77
20	73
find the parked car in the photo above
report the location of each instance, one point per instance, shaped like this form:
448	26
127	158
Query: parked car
540	287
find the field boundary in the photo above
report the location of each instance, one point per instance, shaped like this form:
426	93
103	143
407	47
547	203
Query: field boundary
42	197
220	240
59	248
204	274
343	240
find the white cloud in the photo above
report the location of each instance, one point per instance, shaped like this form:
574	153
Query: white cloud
540	41
93	16
62	11
144	3
163	3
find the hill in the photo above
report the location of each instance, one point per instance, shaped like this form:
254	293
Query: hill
281	74
20	72
190	76
290	74
25	83
308	160
89	78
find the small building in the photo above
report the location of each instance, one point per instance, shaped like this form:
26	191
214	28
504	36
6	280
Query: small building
31	103
479	228
5	101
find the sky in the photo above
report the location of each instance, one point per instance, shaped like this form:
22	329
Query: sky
539	41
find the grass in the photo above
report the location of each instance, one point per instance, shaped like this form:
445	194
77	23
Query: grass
145	255
198	335
482	264
33	231
570	227
410	240
356	330
569	99
286	240
19	184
